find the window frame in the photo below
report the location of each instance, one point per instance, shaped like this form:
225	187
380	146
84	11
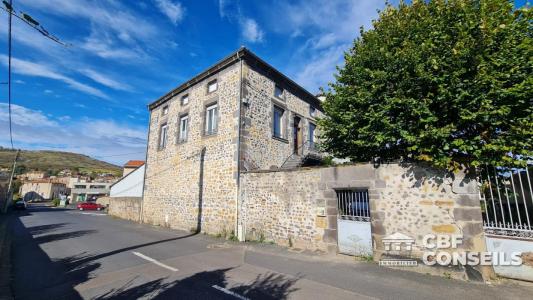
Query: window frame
311	137
313	111
165	110
180	128
162	144
282	95
282	122
210	83
215	119
186	96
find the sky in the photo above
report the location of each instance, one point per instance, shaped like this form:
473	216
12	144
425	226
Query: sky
91	97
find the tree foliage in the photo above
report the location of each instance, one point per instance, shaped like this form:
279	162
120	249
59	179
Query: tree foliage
447	82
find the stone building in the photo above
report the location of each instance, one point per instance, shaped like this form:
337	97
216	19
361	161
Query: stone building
239	115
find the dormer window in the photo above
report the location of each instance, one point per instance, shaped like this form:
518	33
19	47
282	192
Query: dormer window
278	92
164	112
212	86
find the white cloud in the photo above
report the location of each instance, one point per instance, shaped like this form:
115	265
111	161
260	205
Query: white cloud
251	31
23	116
28	68
327	28
105	80
48	91
173	10
95	137
106	14
101	44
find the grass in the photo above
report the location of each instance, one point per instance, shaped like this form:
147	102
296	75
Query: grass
55	161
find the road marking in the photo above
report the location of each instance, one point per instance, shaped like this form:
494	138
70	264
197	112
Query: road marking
92	214
154	261
226	291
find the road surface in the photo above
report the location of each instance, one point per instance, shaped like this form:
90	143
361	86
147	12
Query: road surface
68	254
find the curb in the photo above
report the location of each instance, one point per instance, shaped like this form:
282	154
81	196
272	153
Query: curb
5	259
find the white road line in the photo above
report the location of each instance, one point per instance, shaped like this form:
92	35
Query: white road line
226	291
92	214
154	261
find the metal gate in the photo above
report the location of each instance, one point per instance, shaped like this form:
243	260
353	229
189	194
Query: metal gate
507	201
353	222
507	205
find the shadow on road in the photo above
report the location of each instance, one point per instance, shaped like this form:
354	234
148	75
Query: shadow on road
36	276
200	286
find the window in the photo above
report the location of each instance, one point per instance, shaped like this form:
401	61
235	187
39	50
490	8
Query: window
353	205
312	130
184	128
212	86
79	186
163	136
278	122
211	113
165	110
278	92
185	99
97	187
312	111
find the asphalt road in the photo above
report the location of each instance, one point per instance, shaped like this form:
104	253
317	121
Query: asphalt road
68	254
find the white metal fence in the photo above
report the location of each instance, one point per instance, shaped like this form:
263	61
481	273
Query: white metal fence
507	201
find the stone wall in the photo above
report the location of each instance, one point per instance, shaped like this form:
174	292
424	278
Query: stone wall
172	195
300	206
260	149
128	208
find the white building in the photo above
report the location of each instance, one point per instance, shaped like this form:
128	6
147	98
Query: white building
131	185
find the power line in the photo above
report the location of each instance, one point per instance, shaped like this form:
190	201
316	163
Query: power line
26	18
35	25
9	47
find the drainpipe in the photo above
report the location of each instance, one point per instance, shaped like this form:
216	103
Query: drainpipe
145	168
239	228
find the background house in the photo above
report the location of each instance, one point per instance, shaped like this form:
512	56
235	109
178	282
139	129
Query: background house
42	189
131	184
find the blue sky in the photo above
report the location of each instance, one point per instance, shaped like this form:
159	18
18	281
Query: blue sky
91	97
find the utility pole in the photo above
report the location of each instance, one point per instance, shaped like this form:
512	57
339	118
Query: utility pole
9	194
9	47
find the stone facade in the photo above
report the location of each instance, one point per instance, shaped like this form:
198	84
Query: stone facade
260	150
299	207
193	184
128	208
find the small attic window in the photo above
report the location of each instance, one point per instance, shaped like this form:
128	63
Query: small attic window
164	112
212	86
278	92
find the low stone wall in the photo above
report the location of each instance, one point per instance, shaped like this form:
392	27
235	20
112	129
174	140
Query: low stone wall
128	208
299	207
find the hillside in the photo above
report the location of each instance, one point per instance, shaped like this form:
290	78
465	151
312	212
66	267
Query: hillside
55	161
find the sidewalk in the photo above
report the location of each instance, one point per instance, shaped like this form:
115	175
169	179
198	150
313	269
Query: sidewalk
5	259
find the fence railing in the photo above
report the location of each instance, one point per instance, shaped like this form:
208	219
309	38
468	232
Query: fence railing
506	196
353	205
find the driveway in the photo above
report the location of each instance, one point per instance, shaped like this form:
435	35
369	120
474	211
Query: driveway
69	254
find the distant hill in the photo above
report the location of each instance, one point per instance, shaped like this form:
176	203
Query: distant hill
55	161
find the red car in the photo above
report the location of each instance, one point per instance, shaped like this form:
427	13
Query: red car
90	206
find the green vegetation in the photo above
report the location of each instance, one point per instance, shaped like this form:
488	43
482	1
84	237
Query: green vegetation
55	161
56	202
446	82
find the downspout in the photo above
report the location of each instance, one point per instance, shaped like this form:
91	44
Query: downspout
239	229
145	168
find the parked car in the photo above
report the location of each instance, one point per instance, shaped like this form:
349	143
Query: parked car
89	206
19	205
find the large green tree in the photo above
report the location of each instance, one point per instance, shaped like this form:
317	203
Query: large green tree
447	82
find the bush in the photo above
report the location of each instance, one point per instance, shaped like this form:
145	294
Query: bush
55	202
